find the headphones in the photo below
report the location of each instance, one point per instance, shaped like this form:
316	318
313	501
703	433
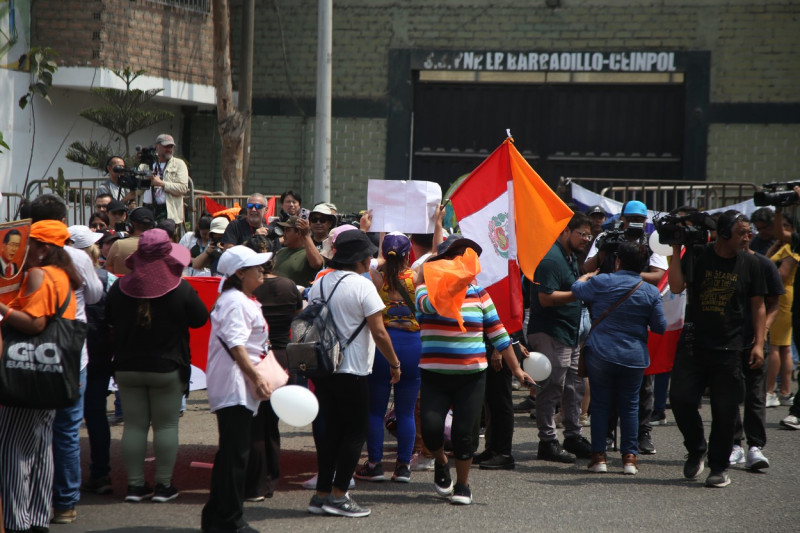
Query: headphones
727	221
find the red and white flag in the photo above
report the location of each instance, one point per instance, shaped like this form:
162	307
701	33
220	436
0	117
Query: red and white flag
505	206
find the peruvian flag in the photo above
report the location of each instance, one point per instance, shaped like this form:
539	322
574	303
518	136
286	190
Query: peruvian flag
505	206
662	347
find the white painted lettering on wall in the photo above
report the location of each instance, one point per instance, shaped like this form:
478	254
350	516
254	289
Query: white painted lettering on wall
552	61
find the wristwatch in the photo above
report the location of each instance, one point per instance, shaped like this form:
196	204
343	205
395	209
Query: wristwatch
396	367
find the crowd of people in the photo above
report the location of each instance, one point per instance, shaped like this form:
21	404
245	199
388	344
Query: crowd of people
418	328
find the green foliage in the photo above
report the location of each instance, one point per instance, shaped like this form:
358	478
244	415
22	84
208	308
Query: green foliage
2	143
42	69
93	154
59	187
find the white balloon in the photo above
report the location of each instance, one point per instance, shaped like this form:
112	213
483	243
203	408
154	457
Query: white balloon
657	247
537	365
295	405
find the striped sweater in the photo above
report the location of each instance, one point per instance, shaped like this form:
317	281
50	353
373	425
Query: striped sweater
448	350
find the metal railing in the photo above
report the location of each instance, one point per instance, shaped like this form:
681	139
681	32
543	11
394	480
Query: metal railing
196	6
665	195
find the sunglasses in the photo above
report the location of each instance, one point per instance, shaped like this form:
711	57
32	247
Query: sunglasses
316	220
255	206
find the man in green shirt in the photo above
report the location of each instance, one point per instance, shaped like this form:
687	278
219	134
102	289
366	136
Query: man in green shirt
299	259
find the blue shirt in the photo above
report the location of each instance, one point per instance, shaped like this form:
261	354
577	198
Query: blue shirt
621	337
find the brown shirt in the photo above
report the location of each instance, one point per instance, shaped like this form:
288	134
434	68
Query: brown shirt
120	250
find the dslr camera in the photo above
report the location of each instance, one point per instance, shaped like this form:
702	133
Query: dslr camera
687	230
777	194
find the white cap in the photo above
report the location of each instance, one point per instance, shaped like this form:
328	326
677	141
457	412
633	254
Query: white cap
238	257
82	237
219	225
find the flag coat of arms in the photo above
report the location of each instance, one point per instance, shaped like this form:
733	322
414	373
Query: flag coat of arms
505	206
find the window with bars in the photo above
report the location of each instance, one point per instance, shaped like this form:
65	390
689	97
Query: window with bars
197	6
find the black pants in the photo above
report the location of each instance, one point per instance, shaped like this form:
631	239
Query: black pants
438	392
224	509
263	467
499	411
695	370
755	408
344	407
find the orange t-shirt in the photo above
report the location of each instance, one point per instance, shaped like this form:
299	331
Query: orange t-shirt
46	299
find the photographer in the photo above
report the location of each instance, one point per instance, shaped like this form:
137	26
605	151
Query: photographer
721	280
206	260
112	187
117	215
243	228
169	183
299	259
634	217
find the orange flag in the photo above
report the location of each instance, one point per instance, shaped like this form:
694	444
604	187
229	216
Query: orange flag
447	281
540	214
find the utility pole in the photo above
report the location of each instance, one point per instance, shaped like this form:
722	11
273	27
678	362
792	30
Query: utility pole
246	83
322	147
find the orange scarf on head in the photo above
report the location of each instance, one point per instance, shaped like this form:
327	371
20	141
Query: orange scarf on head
447	281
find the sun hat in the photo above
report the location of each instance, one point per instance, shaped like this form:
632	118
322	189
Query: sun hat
52	232
156	266
83	237
327	209
352	247
237	257
395	243
328	244
454	245
635	208
219	225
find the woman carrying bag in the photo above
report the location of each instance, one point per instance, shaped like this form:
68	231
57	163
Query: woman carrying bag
150	312
26	435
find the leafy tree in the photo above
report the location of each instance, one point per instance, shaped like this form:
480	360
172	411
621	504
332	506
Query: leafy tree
126	112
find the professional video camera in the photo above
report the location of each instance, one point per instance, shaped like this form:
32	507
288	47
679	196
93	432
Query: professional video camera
133	179
609	240
686	230
147	155
777	193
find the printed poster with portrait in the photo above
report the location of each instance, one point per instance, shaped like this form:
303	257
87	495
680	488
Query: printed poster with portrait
13	250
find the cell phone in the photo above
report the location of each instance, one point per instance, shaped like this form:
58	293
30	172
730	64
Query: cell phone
529	383
304	213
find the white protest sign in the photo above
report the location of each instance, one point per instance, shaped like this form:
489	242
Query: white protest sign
405	206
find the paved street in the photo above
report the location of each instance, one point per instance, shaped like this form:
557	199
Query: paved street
536	495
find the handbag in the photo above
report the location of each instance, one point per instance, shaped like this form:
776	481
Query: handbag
582	357
43	371
268	369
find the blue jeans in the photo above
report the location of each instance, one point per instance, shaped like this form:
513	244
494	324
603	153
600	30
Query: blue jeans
67	452
609	382
660	392
407	346
94	411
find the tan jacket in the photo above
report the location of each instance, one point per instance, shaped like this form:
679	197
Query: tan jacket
176	185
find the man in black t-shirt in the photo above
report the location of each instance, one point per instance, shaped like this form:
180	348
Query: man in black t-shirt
725	280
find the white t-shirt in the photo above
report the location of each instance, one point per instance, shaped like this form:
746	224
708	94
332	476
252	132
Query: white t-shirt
239	322
656	260
355	299
89	292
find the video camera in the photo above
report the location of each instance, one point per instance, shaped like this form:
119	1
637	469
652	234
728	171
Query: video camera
147	155
686	230
777	194
609	240
133	179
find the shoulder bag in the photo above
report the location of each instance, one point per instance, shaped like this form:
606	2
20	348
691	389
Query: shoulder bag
582	358
269	369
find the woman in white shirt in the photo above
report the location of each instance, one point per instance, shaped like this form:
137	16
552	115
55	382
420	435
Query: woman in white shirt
237	342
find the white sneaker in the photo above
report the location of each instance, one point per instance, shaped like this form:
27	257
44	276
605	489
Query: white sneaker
773	400
420	463
311	484
737	455
584	420
756	459
791	422
787	400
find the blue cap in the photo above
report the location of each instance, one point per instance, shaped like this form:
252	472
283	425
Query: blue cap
635	207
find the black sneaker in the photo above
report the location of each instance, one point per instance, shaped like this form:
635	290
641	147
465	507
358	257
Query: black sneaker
528	404
98	485
315	505
579	446
646	446
462	495
658	418
498	462
442	481
485	455
165	493
718	479
370	473
344	507
402	473
694	465
137	494
552	451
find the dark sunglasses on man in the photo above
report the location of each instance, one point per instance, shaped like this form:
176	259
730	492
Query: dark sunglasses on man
255	206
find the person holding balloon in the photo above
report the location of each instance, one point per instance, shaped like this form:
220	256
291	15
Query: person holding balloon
616	350
454	316
239	337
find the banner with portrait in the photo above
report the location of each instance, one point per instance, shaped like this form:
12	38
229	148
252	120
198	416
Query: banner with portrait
13	251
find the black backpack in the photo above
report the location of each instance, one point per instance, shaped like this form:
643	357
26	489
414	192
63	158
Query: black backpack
316	349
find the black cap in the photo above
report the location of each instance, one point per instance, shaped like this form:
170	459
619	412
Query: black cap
455	245
115	205
596	209
142	215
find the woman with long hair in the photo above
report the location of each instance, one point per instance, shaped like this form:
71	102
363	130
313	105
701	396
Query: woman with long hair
150	312
26	435
395	284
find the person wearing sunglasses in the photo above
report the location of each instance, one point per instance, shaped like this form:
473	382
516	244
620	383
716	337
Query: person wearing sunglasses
321	220
252	223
